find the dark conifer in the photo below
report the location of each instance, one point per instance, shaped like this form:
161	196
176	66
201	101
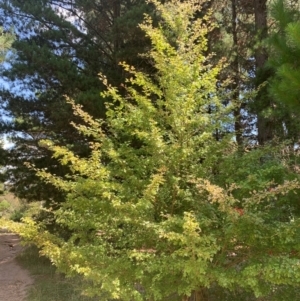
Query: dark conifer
62	46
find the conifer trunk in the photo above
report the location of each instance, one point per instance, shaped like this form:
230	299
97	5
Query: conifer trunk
236	76
116	14
264	125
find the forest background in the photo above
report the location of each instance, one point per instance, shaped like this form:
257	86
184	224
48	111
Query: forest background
162	139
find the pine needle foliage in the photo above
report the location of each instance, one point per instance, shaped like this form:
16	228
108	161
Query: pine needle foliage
285	51
150	214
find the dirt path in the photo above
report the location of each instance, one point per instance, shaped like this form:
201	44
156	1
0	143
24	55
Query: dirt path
14	281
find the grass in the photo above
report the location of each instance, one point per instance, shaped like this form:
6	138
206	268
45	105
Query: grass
16	209
13	202
49	285
11	198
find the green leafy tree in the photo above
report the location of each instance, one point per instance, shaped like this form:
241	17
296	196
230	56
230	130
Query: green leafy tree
6	39
156	211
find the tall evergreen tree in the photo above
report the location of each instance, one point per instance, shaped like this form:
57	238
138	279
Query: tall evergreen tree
273	118
243	29
238	39
272	99
62	46
285	51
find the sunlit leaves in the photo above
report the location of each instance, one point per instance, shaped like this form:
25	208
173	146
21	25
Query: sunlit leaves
162	208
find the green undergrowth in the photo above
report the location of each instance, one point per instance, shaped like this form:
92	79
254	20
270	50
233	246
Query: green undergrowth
9	204
49	285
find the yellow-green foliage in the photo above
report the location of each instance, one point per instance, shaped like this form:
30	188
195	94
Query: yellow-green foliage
150	212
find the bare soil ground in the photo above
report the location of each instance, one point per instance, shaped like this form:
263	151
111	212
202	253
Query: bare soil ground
14	280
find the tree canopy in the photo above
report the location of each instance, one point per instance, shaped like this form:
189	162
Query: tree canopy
166	153
162	207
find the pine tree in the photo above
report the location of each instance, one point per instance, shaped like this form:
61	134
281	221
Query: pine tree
62	46
273	107
285	51
231	40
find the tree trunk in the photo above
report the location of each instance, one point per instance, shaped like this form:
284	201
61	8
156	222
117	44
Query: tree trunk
238	127
116	14
264	124
261	28
197	295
